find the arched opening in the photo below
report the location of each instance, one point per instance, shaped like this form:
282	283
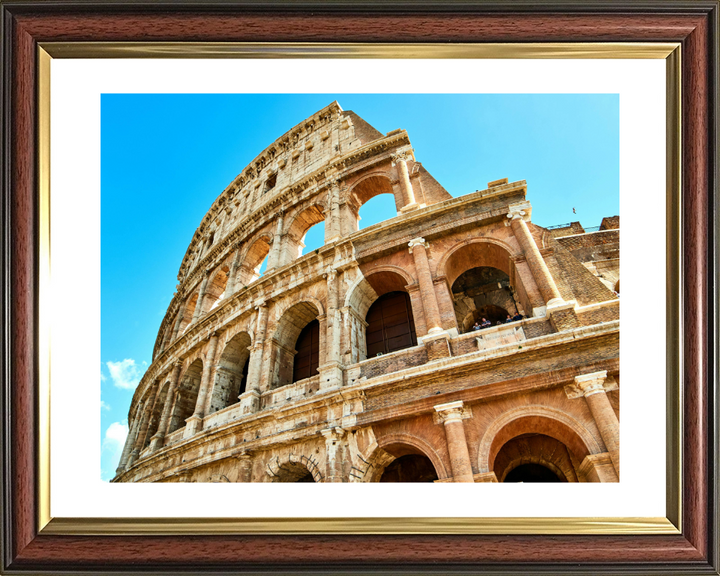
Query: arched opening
215	289
410	468
187	396
231	374
188	313
554	441
156	414
314	238
390	324
295	236
254	264
369	188
480	274
534	458
293	472
307	358
482	292
378	209
410	465
287	336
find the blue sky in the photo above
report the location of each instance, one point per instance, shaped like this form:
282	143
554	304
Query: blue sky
165	158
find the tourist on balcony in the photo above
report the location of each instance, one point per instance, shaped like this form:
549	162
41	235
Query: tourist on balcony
485	323
517	317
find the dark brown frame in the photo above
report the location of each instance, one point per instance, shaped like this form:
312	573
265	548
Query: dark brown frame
693	23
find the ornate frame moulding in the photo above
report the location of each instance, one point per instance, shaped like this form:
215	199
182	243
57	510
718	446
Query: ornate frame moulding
685	540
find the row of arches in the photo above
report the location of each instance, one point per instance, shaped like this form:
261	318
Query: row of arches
382	318
251	265
532	448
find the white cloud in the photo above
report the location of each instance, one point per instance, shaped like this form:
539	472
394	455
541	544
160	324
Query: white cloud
126	374
102	377
104	406
112	447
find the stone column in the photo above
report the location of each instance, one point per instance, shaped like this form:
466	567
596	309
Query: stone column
451	415
147	415
201	297
332	226
543	279
331	370
159	437
194	423
594	388
417	248
230	288
275	250
129	442
250	399
400	161
244	467
334	454
178	322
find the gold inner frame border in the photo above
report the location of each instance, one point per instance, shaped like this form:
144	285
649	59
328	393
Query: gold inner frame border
671	524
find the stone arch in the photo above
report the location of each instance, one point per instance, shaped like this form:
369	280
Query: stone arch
362	293
215	288
487	251
537	449
189	311
294	469
290	324
481	279
303	220
540	420
371	185
249	270
186	396
399	444
231	372
156	412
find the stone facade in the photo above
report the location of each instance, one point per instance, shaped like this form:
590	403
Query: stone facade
220	402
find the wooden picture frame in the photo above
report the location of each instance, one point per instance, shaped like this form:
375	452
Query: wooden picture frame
26	26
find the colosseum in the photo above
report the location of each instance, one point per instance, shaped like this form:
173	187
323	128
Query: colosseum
454	342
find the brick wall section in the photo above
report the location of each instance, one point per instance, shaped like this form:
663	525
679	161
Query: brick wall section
537	329
573	228
393	362
604	314
437	349
564	320
577	354
364	131
593	247
610	223
574	281
427	190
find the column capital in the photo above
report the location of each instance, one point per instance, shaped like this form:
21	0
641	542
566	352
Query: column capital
333	434
417	242
451	412
331	274
520	210
589	384
402	156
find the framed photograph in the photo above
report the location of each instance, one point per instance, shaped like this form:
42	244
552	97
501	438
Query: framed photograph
396	238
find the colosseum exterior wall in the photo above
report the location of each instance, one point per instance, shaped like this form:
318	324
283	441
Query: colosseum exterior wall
222	400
